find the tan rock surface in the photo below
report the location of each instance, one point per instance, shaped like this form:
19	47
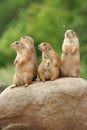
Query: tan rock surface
52	105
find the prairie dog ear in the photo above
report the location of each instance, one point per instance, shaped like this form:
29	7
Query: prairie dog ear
74	33
50	47
32	40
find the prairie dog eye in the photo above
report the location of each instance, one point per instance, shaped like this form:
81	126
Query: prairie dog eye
17	43
72	31
24	37
44	44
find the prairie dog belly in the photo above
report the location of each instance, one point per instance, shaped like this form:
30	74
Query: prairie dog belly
47	74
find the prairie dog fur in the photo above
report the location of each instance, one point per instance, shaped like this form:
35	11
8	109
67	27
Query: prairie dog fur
24	65
70	58
48	54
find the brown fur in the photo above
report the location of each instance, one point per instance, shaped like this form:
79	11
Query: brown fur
70	58
50	65
25	70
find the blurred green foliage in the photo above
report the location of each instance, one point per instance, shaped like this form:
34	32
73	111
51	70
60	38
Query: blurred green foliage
43	20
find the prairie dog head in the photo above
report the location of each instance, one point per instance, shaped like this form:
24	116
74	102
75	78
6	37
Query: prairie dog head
28	41
45	47
18	46
70	34
47	62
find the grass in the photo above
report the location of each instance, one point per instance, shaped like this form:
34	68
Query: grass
6	75
83	71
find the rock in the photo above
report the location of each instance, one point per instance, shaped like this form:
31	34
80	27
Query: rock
51	105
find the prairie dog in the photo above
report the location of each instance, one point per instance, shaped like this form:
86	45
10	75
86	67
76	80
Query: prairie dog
44	70
29	43
70	58
48	54
24	65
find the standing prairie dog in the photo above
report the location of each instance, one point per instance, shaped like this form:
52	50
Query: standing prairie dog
25	71
29	43
50	65
70	58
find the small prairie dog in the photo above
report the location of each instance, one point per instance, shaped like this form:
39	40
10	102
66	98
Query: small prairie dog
70	58
44	70
24	65
49	69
